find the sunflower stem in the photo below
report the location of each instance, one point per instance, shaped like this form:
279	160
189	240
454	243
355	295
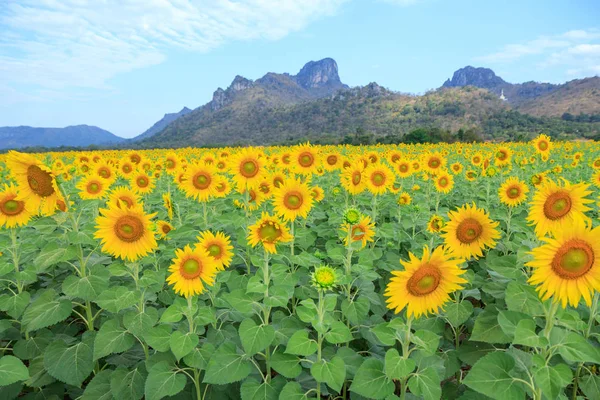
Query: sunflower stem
267	313
320	312
15	256
588	330
550	319
405	353
205	214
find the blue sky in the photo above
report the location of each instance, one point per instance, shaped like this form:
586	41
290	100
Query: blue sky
122	64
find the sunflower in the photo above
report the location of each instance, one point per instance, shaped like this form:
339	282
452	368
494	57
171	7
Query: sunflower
471	175
125	232
513	192
36	184
435	224
425	284
218	246
199	182
13	212
168	204
126	169
379	177
191	270
542	145
92	187
596	163
477	159
222	186
247	168
363	231
503	156
122	197
292	200
404	199
469	231
171	162
317	193
324	278
332	161
456	168
444	182
352	179
305	159
104	172
141	182
403	168
253	199
434	163
567	267
268	230
163	228
554	206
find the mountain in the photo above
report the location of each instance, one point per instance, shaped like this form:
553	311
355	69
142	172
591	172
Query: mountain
75	136
485	78
314	104
579	96
160	125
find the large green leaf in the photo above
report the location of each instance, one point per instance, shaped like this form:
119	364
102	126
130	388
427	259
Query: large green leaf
525	334
338	333
458	313
573	347
426	383
163	381
487	329
182	344
99	387
12	370
370	380
590	386
252	389
397	367
552	379
227	366
126	384
491	376
14	305
159	337
301	345
287	365
139	323
46	310
70	364
254	337
112	338
116	299
89	287
523	298
333	372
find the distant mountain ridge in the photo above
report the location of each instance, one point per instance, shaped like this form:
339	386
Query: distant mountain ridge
14	137
162	123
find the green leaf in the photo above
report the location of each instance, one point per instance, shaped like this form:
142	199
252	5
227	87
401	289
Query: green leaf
458	313
226	366
339	333
292	391
200	356
426	341
163	381
552	379
111	338
172	314
525	335
573	347
370	380
241	301
523	298
487	329
252	389
99	387
46	310
590	386
70	364
333	372
508	320
385	333
491	376
89	287
27	349
357	310
397	367
116	299
127	385
140	322
12	370
287	365
300	344
426	383
182	344
159	337
14	305
254	337
50	255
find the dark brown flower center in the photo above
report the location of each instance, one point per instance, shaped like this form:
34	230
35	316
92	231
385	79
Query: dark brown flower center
573	259
12	207
424	281
469	230
293	200
129	228
40	181
557	205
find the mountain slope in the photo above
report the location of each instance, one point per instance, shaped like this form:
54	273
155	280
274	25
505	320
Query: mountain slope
76	136
160	125
574	97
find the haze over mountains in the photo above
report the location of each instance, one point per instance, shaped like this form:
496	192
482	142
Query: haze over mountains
315	104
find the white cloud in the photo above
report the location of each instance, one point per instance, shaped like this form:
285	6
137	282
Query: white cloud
577	52
60	44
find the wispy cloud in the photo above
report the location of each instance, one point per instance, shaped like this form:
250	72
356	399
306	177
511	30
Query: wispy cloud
61	44
576	51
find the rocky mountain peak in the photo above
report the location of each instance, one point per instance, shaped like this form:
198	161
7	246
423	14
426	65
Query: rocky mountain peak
240	83
316	74
471	76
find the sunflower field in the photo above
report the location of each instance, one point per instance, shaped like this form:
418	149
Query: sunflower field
455	271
